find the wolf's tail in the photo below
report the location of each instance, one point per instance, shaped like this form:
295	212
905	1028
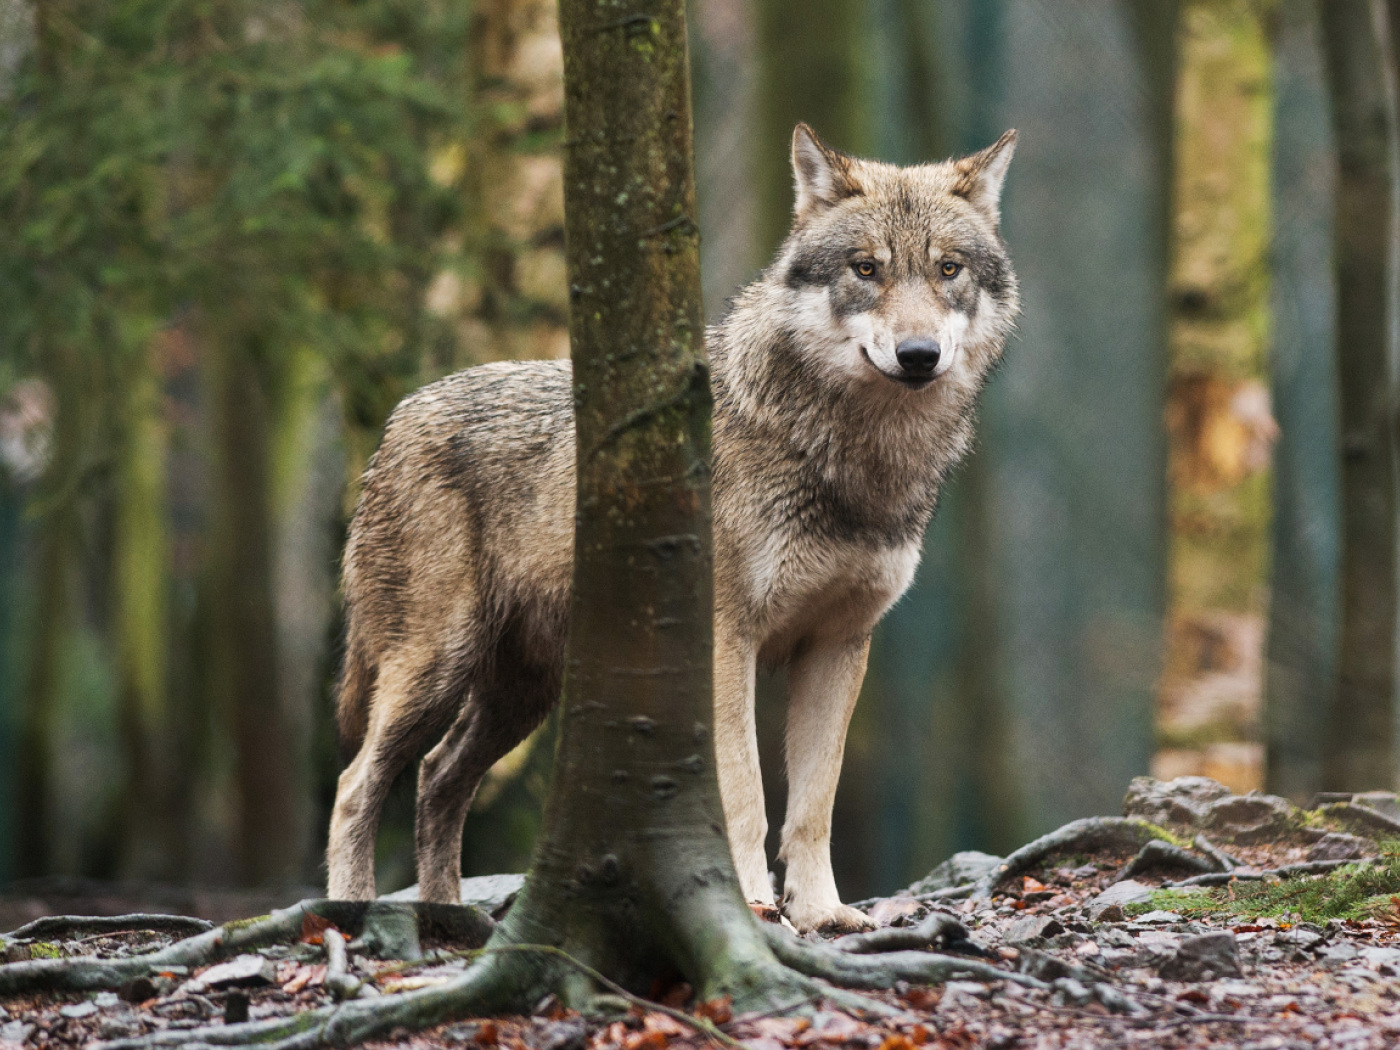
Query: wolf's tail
352	693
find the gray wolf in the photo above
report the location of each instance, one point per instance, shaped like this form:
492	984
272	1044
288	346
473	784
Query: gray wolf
845	380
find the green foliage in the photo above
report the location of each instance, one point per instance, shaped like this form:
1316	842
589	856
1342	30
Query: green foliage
259	170
1350	892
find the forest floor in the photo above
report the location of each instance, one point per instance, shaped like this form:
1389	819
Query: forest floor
1286	934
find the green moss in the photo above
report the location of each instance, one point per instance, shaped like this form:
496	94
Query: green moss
1156	831
45	950
1351	892
238	924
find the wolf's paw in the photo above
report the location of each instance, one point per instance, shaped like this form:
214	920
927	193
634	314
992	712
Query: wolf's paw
841	918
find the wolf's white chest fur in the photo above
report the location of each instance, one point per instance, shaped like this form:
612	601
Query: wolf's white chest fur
806	588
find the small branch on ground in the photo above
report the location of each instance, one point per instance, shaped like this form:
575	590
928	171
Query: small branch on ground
1286	871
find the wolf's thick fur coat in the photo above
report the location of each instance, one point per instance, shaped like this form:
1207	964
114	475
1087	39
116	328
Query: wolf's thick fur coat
844	382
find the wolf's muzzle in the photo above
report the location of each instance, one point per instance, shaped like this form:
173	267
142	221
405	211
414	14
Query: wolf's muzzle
918	357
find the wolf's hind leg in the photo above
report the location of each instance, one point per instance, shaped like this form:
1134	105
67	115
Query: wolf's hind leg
823	684
494	720
736	762
397	729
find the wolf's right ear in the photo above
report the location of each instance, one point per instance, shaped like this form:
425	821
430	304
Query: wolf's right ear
980	176
821	174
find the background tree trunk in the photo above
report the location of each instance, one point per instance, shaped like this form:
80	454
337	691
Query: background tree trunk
242	644
1362	72
1219	424
1303	582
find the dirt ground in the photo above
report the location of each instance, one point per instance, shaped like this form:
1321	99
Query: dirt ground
1288	938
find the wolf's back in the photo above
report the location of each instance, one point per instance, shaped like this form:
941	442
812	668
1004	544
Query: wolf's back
465	520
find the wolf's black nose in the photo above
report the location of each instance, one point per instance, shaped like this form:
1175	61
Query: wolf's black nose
918	357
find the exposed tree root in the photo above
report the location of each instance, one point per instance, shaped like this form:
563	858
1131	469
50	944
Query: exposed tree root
936	930
496	985
1158	854
88	974
1287	871
69	927
1087	835
879	972
1225	861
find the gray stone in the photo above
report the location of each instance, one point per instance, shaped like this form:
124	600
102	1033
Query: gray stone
390	932
1119	895
1335	956
1336	845
493	894
77	1011
106	1000
1204	958
958	870
1254	817
1158	918
1386	960
122	1026
1033	928
15	1032
1180	801
1384	802
240	972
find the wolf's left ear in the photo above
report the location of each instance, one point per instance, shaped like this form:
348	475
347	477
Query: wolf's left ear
981	175
822	175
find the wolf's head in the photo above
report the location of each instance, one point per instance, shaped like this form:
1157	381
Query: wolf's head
897	276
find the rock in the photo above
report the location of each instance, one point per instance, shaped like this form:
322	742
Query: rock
1205	958
137	990
1068	991
1033	928
1336	845
106	1000
1383	802
390	932
1158	918
1386	960
123	1026
1254	817
1118	896
241	972
1334	956
958	870
493	894
15	1032
884	912
1180	801
77	1011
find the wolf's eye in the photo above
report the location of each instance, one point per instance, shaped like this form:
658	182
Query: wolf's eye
864	269
950	269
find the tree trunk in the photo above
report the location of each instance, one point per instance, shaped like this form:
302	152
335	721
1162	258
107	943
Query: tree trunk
633	872
1362	71
242	641
519	305
1303	587
1219	423
152	839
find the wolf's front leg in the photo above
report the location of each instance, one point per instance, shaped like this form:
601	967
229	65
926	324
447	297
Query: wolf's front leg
736	761
823	684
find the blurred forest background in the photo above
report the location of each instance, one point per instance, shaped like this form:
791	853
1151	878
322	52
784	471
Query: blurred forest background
233	233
